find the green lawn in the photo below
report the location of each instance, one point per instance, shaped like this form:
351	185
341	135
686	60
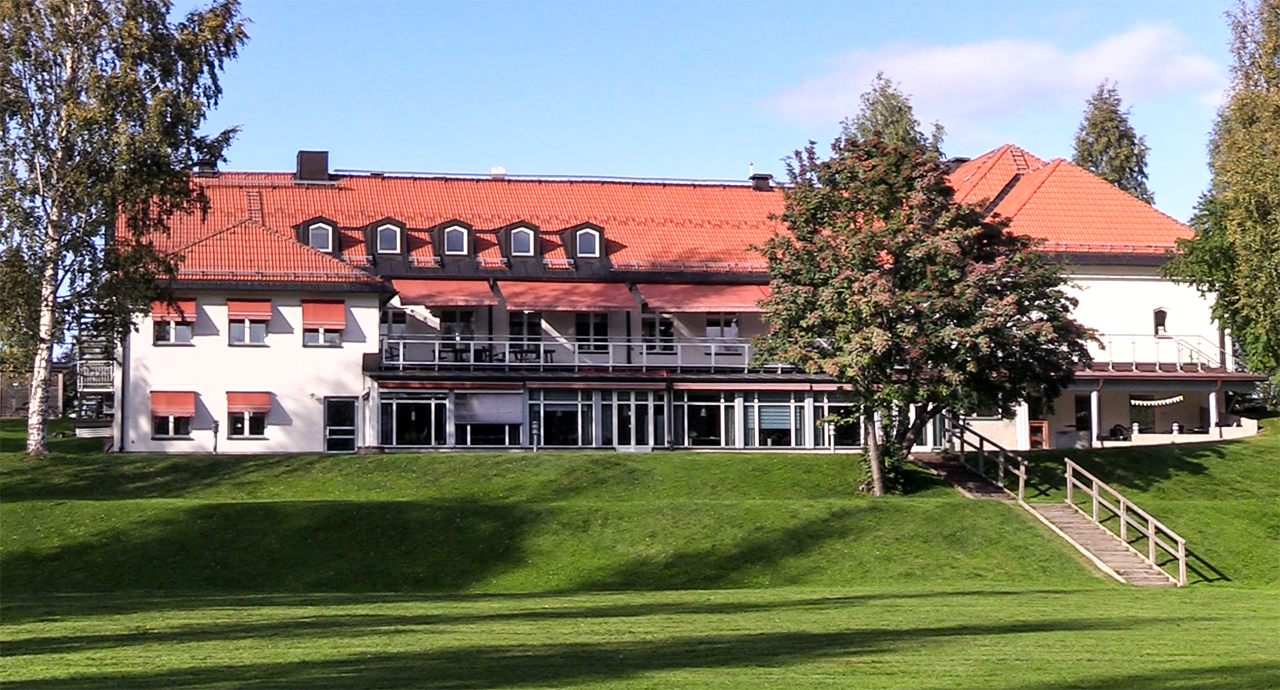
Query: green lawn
664	570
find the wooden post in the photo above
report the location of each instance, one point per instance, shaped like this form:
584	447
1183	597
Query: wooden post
1182	563
1124	521
1151	540
1094	493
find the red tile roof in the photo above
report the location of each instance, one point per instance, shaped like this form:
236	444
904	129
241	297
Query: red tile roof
649	226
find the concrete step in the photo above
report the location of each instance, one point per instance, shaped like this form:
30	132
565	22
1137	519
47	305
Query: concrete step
1103	545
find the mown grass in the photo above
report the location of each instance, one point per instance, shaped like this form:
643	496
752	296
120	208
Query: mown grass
613	570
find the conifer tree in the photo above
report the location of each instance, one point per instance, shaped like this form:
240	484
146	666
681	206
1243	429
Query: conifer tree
101	103
1107	145
886	112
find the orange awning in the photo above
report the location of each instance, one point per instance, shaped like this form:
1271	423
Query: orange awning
445	293
567	296
329	315
253	310
686	298
248	402
185	311
173	403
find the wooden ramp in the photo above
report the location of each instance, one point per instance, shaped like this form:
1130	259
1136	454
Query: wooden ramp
1100	545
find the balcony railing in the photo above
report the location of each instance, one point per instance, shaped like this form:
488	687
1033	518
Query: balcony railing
1180	352
95	376
408	352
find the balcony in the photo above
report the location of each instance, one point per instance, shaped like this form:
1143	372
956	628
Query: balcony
409	352
95	376
1162	353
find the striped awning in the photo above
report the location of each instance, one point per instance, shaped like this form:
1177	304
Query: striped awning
327	315
256	401
173	403
253	310
183	310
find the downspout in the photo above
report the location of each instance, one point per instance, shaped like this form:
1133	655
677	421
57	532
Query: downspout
124	387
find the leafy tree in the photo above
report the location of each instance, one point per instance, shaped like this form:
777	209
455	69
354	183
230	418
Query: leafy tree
1235	254
101	101
884	283
1107	145
886	112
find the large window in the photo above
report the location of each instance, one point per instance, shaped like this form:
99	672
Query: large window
774	419
562	418
842	425
705	419
658	332
455	240
321	337
459	324
525	326
592	332
247	424
388	239
172	332
170	426
246	332
414	420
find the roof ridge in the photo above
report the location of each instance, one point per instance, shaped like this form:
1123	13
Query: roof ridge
988	164
210	236
1128	195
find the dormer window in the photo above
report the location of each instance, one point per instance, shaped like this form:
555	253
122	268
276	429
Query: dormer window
588	244
455	240
320	237
522	242
388	239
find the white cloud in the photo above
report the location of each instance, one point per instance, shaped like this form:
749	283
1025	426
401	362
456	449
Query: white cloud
978	83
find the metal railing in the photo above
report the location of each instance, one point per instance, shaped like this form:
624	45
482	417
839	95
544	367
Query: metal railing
961	438
1181	351
1124	509
401	352
95	375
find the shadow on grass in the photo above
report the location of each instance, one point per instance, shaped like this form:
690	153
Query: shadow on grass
125	476
1222	677
291	546
1135	468
559	664
322	625
722	566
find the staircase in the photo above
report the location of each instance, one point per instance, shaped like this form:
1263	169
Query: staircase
1112	553
1099	545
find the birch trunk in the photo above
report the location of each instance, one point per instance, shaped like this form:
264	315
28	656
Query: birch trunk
873	455
38	398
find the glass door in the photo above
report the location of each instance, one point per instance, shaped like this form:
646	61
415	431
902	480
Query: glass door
339	425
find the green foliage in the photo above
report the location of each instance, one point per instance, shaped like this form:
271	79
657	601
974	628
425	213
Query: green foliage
886	113
887	285
101	105
19	311
1235	254
1107	145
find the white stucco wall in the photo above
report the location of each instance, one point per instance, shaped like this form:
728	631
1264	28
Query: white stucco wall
298	377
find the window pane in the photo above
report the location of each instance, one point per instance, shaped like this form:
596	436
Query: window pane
182	332
389	239
258	332
387	421
704	425
236	331
333	337
587	243
319	238
414	424
161	332
159	426
560	424
455	241
237	424
181	426
257	423
340	413
522	242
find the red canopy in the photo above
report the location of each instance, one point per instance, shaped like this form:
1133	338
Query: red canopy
327	315
185	311
248	402
691	298
173	403
567	296
253	310
445	293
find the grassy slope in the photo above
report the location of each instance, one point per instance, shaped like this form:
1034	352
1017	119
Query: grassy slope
1223	498
496	522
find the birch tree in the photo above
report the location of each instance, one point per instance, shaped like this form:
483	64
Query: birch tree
102	102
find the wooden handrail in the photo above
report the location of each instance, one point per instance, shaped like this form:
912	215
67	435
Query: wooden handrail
959	431
1149	527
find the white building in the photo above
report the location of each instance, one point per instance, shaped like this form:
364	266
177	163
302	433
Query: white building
319	312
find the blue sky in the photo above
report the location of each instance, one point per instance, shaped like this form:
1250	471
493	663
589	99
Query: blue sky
702	90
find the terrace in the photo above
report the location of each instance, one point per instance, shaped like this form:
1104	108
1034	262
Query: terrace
411	352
